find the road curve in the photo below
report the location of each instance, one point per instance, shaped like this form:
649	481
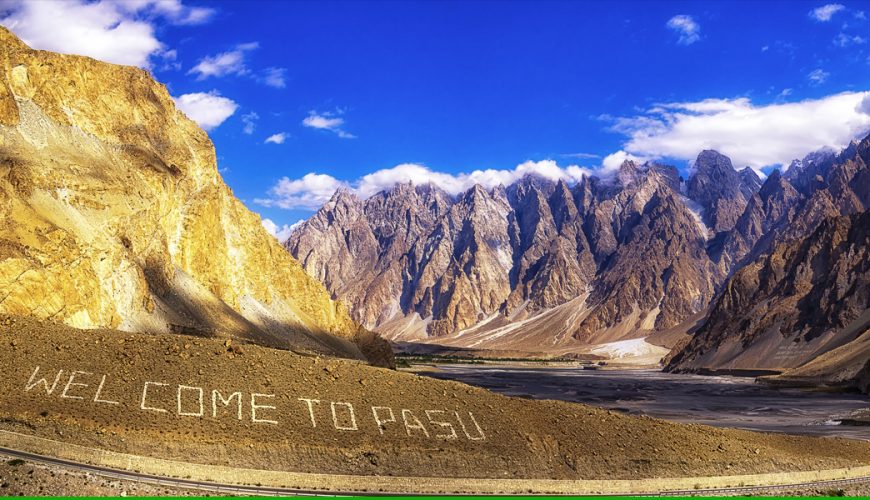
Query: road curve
369	486
167	481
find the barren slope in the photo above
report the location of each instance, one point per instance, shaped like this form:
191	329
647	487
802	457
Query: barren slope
116	216
784	310
154	395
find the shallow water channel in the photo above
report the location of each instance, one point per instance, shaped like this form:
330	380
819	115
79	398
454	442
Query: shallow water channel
721	401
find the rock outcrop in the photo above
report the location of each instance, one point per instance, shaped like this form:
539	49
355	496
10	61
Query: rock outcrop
116	216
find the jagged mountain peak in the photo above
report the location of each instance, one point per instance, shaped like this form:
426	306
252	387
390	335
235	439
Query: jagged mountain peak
343	195
750	182
712	160
628	173
774	185
719	189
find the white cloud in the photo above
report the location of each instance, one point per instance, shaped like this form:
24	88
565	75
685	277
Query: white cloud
208	109
583	156
309	192
277	138
686	27
234	62
825	12
327	121
757	136
174	10
313	190
282	232
843	40
317	121
818	76
226	63
250	122
275	77
169	60
613	161
117	32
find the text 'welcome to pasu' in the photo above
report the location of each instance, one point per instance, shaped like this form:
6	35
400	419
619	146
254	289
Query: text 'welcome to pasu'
175	400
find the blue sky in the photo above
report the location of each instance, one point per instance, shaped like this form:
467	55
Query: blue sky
444	89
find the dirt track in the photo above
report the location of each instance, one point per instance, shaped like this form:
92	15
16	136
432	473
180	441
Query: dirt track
293	413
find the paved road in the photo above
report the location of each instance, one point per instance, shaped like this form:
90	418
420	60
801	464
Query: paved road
166	481
270	491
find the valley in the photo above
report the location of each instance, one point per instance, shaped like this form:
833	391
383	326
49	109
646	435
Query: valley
722	401
151	324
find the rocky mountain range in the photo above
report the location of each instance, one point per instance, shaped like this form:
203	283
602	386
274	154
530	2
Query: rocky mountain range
417	264
544	266
116	217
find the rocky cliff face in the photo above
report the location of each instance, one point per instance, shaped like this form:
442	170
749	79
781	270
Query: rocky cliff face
798	299
803	300
769	210
116	216
720	190
790	206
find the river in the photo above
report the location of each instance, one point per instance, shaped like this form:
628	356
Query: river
722	401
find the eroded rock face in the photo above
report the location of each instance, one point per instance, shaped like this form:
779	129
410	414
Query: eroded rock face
660	271
803	299
773	206
462	267
721	190
117	217
790	206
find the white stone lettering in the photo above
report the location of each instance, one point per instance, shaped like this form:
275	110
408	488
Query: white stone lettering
311	403
352	426
255	407
190	401
181	412
378	420
33	382
100	392
65	394
142	405
416	425
480	435
442	424
216	395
